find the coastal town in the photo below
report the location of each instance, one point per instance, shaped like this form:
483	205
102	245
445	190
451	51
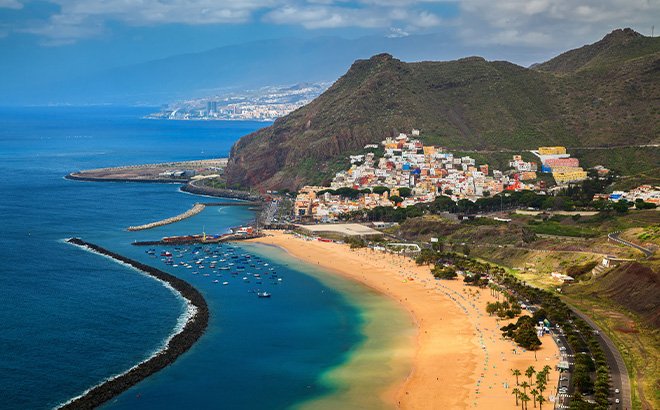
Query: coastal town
264	104
409	172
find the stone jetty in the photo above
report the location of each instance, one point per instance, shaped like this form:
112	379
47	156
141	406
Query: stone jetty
178	344
197	208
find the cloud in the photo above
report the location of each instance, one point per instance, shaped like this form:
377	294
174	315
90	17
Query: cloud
373	14
86	18
547	24
10	4
396	32
550	23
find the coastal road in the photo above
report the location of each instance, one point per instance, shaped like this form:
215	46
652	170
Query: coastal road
563	401
620	379
614	236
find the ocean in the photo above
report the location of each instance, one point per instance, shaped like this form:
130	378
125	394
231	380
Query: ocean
70	318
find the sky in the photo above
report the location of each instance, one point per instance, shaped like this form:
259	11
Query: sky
49	39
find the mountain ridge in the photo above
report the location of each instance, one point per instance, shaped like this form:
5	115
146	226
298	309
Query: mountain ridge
469	103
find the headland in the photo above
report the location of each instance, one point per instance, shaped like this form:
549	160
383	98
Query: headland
178	344
460	360
176	172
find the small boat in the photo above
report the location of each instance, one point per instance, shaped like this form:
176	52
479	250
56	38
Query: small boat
225	283
216	281
263	294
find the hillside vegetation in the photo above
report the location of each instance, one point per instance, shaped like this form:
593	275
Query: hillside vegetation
604	94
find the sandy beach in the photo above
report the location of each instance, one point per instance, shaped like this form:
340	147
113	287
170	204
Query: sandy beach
460	360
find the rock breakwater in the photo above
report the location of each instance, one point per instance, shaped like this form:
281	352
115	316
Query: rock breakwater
177	345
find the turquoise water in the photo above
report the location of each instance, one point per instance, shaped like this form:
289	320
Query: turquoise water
69	318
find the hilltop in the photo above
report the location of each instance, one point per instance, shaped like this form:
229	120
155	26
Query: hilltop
601	95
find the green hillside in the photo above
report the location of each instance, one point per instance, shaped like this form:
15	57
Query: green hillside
605	94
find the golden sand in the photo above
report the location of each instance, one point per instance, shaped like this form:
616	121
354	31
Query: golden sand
460	360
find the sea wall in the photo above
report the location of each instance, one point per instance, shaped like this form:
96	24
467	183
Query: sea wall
199	189
153	180
178	344
197	208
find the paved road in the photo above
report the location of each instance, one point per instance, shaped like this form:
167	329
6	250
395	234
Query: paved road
615	361
614	236
567	354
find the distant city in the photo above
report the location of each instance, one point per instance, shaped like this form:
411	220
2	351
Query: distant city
264	104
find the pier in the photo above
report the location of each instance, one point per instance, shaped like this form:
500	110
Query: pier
196	239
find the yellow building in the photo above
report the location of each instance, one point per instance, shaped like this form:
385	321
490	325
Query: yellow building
552	150
563	175
429	150
526	176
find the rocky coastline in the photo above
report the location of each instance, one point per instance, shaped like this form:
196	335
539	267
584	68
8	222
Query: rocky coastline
178	344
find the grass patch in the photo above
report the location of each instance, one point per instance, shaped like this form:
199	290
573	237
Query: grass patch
555	228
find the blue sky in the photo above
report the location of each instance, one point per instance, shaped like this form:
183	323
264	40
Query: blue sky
47	39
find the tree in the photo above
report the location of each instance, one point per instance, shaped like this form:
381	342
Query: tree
541	400
396	199
524	385
516	392
380	190
546	371
491	308
529	373
404	192
621	206
516	373
524	398
443	272
534	394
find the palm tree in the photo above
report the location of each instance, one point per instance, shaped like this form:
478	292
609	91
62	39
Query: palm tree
546	370
516	373
541	378
540	399
540	386
534	394
529	373
516	392
524	398
524	385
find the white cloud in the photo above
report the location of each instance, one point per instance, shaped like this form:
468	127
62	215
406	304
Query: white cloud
396	32
550	23
10	4
530	23
315	17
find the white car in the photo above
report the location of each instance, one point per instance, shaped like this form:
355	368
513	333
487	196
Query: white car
617	401
616	391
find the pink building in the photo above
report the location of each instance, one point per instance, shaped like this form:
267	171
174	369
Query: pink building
562	162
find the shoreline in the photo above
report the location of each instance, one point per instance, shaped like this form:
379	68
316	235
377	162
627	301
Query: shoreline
197	315
187	186
460	359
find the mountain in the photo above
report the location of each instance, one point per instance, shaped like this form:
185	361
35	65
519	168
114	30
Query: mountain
236	67
604	94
